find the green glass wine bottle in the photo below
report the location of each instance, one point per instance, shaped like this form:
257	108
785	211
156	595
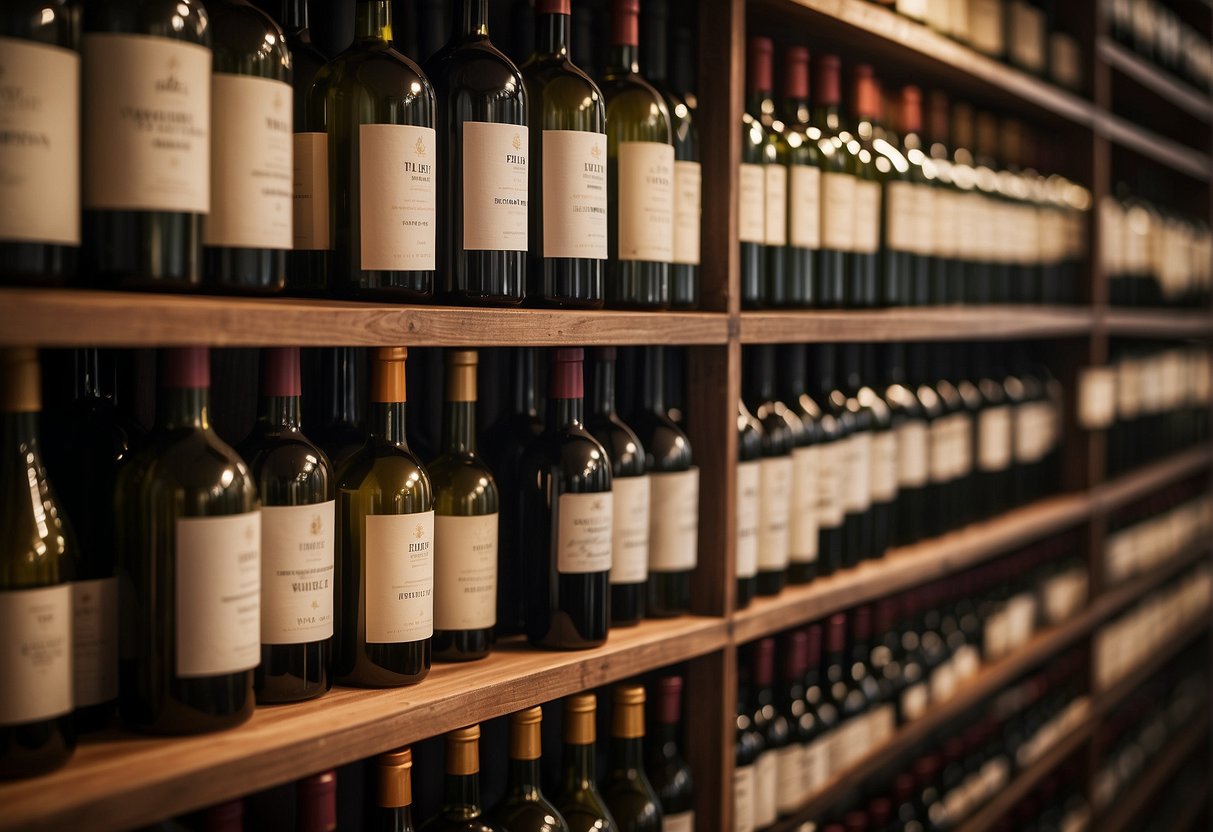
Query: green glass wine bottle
580	801
524	807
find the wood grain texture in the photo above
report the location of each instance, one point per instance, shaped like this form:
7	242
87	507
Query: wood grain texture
1163	84
915	324
1148	323
121	780
75	317
710	719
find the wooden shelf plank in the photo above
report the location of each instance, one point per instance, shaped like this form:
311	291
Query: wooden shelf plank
1153	146
1156	323
1182	95
907	567
921	323
1143	481
121	780
78	317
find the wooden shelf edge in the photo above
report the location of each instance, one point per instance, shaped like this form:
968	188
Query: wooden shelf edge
1109	699
1153	146
123	780
1156	323
1128	487
1179	93
915	323
907	567
83	317
1159	770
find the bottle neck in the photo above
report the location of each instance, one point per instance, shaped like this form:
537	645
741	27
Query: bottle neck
373	20
387	422
473	20
653	384
20	431
87	376
627	753
183	408
526	386
463	795
654	54
280	411
603	388
459	427
294	15
579	767
552	35
340	378
828	117
565	413
759	103
797	110
524	778
623	58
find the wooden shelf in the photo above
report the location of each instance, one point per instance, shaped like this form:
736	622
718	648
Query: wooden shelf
1163	84
1143	481
76	317
1156	323
907	567
122	780
1153	146
915	323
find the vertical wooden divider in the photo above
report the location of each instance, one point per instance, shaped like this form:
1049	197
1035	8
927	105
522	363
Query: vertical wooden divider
711	704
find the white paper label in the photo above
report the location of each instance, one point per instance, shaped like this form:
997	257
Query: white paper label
994	438
830	507
674	521
803	532
913	442
398	199
35	654
816	766
94	641
574	194
147	124
297	573
583	541
646	201
805	207
765	785
884	466
837	211
752	203
311	186
749	483
494	186
465	572
857	489
630	530
867	216
252	173
1096	397
39	142
775	219
399	577
688	199
789	767
774	503
681	822
899	215
914	701
743	799
218	594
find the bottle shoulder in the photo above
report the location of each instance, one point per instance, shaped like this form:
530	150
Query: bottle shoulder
159	18
282	458
474	67
372	70
247	41
666	447
385	465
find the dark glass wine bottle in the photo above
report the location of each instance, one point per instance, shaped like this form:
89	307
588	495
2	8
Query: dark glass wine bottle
524	807
664	762
883	459
566	519
385	523
674	481
461	809
295	482
752	176
911	436
923	212
819	746
371	116
774	729
37	726
749	484
748	746
568	181
995	437
40	180
626	788
804	530
630	493
837	186
145	192
316	803
640	173
804	181
335	383
579	801
466	503
393	810
483	111
853	455
779	427
790	772
189	565
947	269
250	226
832	463
862	288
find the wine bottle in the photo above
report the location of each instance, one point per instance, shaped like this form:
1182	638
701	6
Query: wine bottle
883	460
629	795
295	482
996	285
862	288
853	451
789	703
837	186
483	109
189	565
640	173
946	282
804	530
305	263
804	181
524	808
752	178
779	427
748	746
664	763
250	226
580	802
962	405
749	506
908	417
370	116
466	503
833	460
461	809
566	520
774	729
995	437
853	739
385	521
678	91
145	192
630	493
674	483
335	379
393	810
40	179
902	229
568	180
37	727
777	291
819	747
316	802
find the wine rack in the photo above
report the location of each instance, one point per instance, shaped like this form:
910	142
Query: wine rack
117	781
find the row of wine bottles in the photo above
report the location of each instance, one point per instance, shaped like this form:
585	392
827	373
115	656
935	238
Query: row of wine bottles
1153	623
1157	530
873	205
837	462
1154	257
271	570
647	785
1024	33
881	667
383	179
952	776
1158	33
